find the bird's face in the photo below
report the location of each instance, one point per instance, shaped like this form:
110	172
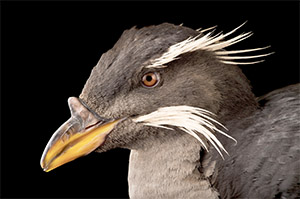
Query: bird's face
140	89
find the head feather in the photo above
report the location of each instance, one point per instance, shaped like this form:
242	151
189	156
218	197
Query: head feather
209	42
191	120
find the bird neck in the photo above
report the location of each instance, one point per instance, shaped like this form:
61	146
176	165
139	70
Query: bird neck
169	168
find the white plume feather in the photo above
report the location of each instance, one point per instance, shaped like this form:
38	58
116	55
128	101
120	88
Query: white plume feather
209	42
191	120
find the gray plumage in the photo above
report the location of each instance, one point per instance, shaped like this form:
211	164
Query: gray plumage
265	163
169	163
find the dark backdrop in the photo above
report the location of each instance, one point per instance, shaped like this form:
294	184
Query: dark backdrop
48	50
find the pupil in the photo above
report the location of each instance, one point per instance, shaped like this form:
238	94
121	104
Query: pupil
149	78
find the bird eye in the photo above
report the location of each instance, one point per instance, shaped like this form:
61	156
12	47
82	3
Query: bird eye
150	79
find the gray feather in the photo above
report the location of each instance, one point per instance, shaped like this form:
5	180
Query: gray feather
266	161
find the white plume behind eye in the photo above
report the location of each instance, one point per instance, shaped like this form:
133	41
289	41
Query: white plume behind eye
213	43
191	120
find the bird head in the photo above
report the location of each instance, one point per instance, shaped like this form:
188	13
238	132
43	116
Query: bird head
156	81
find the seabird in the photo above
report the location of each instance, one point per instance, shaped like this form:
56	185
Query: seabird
178	100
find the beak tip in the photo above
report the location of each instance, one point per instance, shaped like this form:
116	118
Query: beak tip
43	165
46	169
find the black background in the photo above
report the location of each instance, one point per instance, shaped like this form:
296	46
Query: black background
48	50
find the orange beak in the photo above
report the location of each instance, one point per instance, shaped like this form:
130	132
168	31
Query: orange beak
80	135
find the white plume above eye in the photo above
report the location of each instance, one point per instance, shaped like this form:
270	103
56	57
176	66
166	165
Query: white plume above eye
191	120
209	42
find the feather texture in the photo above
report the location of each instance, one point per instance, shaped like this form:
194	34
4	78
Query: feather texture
209	42
191	120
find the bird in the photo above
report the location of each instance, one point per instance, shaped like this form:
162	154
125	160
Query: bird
178	99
